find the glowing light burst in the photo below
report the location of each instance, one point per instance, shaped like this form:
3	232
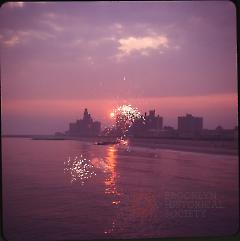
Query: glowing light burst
126	115
79	169
128	112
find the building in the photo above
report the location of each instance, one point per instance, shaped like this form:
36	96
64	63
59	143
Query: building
189	126
147	126
152	121
219	134
85	126
168	132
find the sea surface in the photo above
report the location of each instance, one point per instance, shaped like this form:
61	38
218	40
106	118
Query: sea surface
73	190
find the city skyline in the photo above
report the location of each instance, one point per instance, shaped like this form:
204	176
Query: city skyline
174	57
152	112
130	123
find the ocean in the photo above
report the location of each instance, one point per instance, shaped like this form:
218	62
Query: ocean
75	190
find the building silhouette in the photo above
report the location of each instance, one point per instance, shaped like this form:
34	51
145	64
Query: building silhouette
152	121
189	126
85	126
147	125
219	134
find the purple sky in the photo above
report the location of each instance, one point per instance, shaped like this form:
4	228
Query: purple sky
58	58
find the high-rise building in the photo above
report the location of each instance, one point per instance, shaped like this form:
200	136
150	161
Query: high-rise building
147	125
85	126
190	124
152	121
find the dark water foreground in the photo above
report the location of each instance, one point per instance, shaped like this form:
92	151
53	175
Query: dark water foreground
63	190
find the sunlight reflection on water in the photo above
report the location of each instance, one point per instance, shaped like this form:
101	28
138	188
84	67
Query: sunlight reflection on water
79	168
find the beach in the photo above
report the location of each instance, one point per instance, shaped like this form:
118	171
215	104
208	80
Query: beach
225	147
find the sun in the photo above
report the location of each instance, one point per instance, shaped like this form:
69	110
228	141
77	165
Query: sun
112	114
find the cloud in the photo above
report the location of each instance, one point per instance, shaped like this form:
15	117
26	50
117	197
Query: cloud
12	41
90	60
20	4
141	45
117	28
37	34
15	4
53	25
100	41
20	36
50	15
77	42
50	19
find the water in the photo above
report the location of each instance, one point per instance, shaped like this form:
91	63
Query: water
136	192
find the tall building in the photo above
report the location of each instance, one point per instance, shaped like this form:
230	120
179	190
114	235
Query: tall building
190	124
85	126
148	125
152	121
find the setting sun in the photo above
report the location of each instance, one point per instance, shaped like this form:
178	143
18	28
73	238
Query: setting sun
112	114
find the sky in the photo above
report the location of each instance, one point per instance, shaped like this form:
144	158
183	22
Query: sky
174	57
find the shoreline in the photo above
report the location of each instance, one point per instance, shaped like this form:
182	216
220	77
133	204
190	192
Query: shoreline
220	147
195	149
